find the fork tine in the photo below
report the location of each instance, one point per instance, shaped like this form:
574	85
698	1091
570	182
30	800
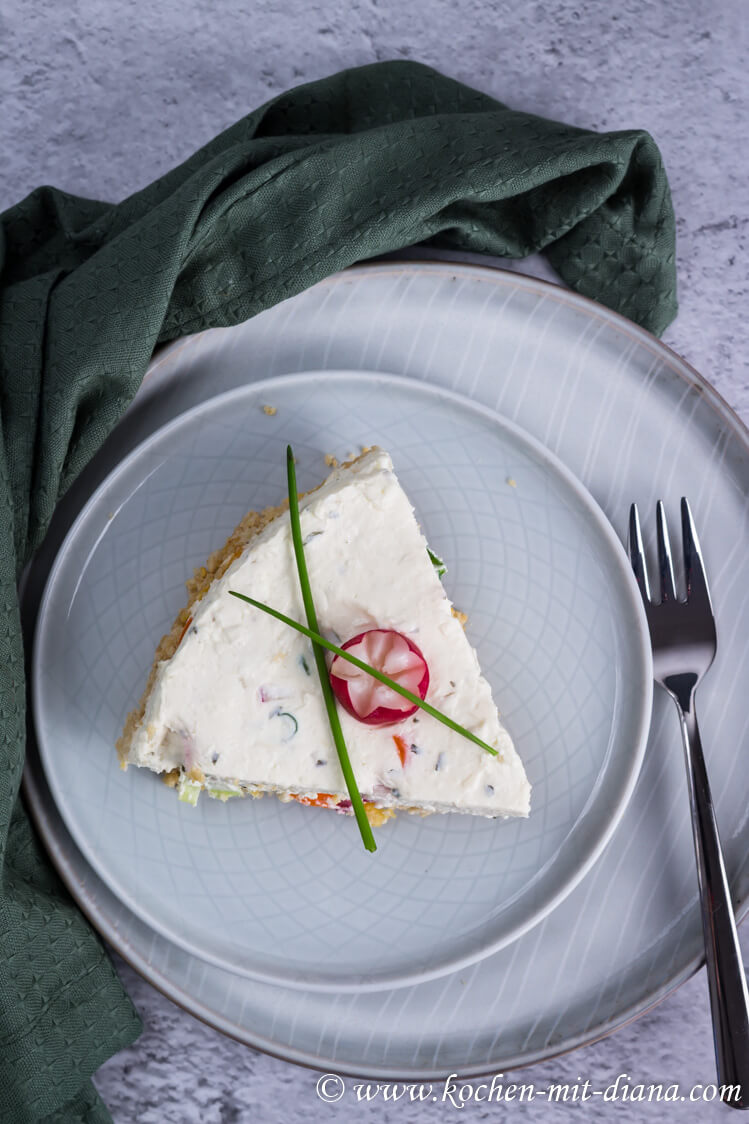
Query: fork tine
697	589
665	565
637	554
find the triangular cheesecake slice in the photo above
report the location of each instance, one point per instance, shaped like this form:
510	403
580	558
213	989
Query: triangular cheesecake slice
233	703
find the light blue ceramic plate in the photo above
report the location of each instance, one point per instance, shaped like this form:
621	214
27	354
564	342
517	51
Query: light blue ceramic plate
286	894
632	421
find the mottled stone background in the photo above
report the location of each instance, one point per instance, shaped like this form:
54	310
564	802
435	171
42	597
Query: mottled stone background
101	96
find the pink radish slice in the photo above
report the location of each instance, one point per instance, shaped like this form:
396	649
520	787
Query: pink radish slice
364	697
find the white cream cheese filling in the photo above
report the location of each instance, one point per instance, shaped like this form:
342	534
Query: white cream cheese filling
240	699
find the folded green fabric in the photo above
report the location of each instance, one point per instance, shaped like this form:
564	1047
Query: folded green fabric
368	161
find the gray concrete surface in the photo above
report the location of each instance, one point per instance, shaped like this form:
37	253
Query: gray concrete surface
101	96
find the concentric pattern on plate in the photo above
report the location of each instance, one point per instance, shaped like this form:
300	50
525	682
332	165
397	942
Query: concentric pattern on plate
286	893
630	420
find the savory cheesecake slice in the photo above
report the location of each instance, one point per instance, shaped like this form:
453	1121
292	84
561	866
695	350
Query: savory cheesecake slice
233	704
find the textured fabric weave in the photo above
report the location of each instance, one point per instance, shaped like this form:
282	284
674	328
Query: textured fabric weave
367	161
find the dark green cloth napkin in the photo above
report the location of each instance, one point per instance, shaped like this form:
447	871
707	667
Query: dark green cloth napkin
368	161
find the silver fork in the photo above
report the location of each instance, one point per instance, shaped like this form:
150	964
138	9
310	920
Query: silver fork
682	635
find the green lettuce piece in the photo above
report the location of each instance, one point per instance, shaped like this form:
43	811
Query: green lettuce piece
437	562
223	792
188	790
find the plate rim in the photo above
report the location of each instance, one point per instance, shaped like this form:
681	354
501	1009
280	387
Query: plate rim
597	840
480	267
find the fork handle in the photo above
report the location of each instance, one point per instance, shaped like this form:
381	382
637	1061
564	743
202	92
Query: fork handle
729	1000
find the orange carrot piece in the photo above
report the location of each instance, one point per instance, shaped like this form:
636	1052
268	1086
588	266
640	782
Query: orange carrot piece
188	622
402	747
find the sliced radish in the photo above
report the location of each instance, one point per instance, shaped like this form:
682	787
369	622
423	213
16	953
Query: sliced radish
366	698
